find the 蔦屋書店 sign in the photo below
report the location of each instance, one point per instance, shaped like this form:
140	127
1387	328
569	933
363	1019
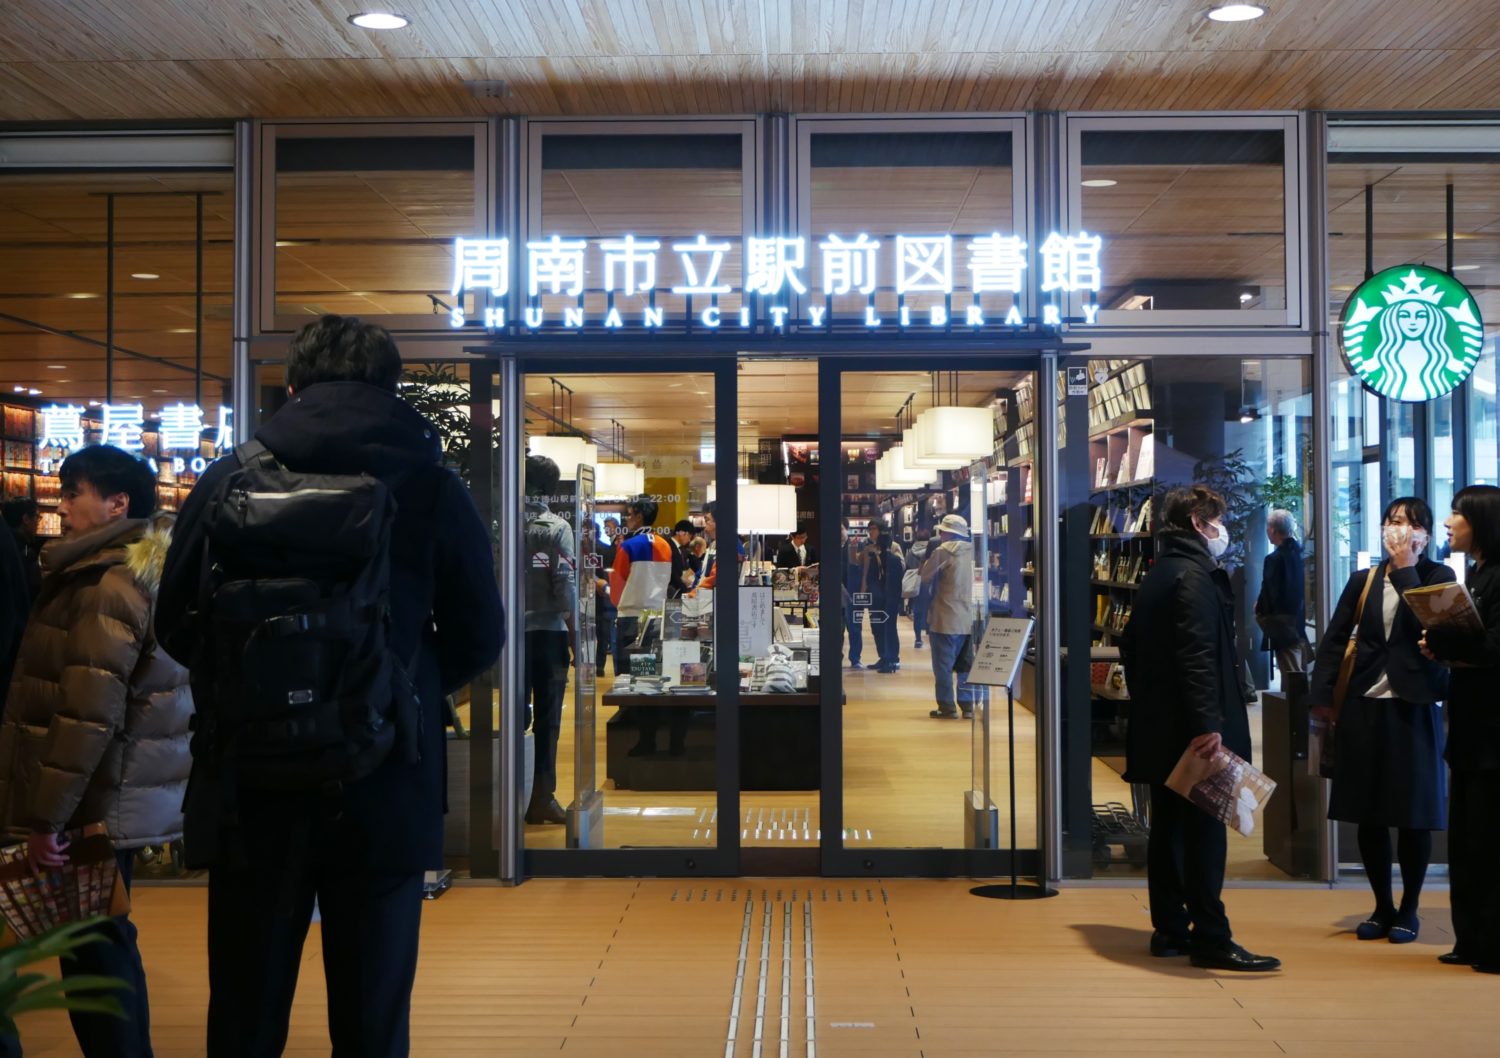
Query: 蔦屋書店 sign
787	280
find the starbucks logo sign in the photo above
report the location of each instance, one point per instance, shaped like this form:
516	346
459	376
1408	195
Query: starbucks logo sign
1412	333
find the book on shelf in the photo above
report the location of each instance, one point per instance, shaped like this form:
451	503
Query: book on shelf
1145	463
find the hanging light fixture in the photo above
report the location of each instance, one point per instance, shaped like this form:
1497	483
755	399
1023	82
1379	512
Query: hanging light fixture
950	432
770	509
619	479
566	451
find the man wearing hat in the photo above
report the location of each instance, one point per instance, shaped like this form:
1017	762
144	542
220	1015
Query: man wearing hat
948	582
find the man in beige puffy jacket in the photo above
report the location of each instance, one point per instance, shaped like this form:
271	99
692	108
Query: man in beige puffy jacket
95	728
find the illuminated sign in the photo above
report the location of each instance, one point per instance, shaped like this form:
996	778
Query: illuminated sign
1412	333
181	429
777	270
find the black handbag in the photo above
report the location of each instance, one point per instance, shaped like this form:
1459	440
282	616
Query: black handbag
965	660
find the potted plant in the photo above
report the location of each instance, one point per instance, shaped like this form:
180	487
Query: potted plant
21	993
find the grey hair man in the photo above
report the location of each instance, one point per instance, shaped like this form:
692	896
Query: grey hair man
1281	609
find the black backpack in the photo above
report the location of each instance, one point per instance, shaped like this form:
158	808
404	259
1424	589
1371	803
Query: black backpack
301	691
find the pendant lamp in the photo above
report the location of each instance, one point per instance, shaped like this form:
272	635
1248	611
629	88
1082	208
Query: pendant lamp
619	480
567	452
770	509
955	433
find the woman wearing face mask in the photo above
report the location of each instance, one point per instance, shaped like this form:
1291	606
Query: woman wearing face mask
1474	735
1389	767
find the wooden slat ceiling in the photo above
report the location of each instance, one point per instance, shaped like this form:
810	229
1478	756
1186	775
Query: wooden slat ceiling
95	59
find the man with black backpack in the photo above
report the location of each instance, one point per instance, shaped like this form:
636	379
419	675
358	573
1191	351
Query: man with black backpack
329	584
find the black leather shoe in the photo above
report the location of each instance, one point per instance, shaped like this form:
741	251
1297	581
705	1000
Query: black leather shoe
1453	958
1166	946
943	714
548	811
1233	957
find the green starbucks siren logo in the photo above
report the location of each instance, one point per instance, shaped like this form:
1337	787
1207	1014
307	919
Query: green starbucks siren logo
1412	333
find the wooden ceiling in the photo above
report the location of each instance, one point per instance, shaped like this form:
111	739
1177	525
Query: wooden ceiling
53	284
170	59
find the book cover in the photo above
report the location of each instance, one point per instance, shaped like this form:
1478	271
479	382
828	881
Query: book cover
1445	604
1226	786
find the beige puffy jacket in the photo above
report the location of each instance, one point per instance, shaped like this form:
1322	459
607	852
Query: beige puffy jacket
96	721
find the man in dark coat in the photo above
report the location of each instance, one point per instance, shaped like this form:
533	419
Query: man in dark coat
364	857
1281	609
1187	689
15	606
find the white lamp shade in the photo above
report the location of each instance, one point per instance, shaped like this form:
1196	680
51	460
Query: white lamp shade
907	472
619	479
713	491
566	452
891	474
913	460
767	509
964	434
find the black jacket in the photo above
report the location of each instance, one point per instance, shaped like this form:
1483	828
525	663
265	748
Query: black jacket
1183	672
786	556
1282	605
1413	677
1473	712
392	820
15	606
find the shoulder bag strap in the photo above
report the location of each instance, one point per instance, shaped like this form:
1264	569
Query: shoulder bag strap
1351	649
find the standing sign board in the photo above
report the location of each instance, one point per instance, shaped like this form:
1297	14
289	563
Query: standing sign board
998	656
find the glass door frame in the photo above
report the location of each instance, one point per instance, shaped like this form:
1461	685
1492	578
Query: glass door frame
637	358
836	859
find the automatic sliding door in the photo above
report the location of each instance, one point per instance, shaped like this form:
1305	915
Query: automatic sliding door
935	479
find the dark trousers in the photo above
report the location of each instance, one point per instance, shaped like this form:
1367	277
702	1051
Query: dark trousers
605	647
627	630
547	681
257	921
1185	869
104	1035
884	632
1474	864
918	617
115	956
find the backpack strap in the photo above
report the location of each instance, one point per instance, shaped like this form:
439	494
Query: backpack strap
252	451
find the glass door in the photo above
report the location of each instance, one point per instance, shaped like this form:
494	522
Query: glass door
627	709
930	478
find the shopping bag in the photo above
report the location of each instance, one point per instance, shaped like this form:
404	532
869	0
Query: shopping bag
31	903
1226	786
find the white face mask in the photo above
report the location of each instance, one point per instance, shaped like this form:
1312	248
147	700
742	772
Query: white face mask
1217	545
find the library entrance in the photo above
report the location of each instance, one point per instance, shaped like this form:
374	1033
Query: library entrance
780	560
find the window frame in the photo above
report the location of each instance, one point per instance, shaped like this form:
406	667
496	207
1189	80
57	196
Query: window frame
1296	231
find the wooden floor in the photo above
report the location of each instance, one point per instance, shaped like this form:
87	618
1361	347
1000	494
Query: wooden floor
915	969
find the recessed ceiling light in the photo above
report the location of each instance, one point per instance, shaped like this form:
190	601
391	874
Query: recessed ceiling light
379	20
1246	297
20	389
158	391
34	392
1465	268
57	367
80	297
1100	183
1235	12
144	275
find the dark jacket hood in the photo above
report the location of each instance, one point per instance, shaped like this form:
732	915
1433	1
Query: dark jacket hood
347	427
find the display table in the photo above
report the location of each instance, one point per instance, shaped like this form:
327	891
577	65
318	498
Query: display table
779	742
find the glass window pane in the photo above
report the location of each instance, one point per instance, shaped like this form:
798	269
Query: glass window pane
887	184
365	224
1484	455
664	190
1192	219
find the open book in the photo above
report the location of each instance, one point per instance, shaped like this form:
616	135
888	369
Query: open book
1445	604
1226	786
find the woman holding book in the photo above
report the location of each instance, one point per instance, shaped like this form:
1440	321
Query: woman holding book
1474	734
1383	705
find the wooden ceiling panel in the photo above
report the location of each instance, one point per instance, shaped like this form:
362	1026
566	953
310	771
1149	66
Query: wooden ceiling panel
170	59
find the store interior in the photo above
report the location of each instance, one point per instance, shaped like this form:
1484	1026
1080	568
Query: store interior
905	774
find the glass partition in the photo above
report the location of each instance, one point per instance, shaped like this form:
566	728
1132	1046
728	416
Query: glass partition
1198	215
937	477
361	219
1243	427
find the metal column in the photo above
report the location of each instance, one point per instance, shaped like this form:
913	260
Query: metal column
242	373
1315	166
507	510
